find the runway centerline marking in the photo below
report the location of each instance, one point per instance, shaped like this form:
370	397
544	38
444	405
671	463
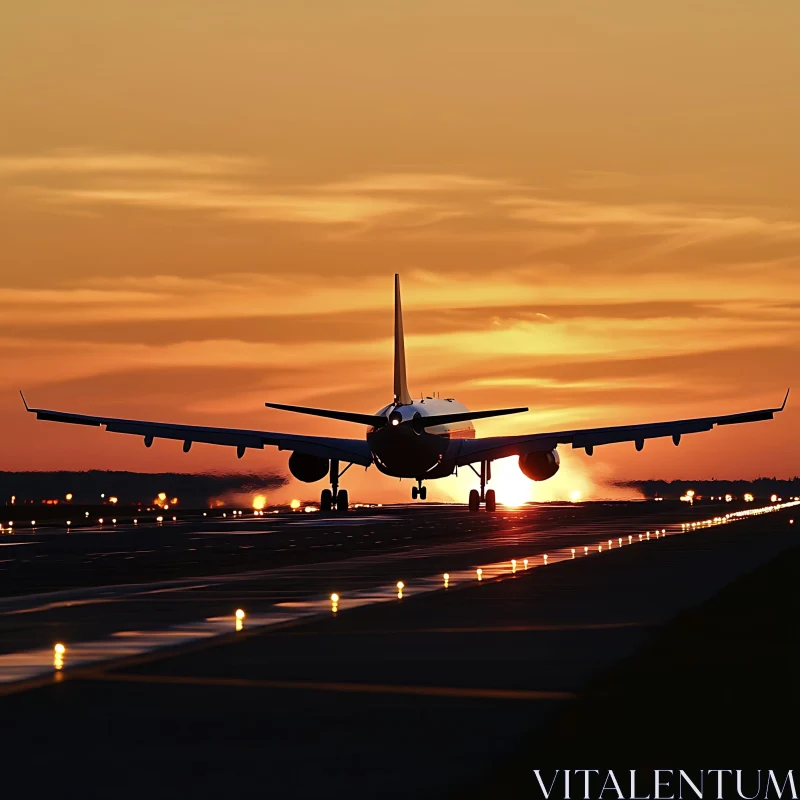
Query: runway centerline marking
329	686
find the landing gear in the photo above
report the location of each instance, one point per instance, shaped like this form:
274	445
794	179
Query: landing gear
334	497
414	492
487	497
419	491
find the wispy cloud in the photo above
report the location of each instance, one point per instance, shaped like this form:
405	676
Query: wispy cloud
88	162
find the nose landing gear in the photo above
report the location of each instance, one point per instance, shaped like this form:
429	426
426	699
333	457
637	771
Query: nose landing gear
419	491
488	498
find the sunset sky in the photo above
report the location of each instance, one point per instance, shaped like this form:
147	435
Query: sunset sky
594	207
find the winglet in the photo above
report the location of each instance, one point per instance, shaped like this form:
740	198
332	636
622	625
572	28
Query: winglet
783	405
24	401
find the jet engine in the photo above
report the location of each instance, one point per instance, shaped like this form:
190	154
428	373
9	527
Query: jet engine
539	466
308	468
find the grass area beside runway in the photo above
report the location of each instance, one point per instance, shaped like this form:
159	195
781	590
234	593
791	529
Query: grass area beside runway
718	687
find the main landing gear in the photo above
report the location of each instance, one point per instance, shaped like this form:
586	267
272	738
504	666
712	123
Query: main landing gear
419	491
334	497
487	497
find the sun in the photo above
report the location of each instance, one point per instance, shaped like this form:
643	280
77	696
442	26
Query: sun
511	486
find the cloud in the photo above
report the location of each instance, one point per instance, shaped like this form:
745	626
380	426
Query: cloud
89	162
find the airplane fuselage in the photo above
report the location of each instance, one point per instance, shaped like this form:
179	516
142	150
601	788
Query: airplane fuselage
403	451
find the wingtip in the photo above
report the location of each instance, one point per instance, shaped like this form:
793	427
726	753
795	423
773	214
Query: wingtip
24	401
786	397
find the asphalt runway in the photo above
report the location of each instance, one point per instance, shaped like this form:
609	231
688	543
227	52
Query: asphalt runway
388	692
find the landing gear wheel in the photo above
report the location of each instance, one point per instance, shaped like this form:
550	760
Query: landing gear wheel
341	500
423	492
326	500
414	492
491	501
474	500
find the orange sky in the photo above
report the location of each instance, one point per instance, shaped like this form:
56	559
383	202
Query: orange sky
595	208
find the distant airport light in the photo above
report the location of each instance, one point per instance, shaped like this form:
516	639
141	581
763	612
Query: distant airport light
446	579
599	548
774	498
620	541
259	502
609	544
630	538
60	649
573	552
136	522
479	572
334	598
159	519
239	613
545	558
100	520
113	522
585	550
400	586
33	521
68	496
295	504
69	522
513	564
525	563
648	534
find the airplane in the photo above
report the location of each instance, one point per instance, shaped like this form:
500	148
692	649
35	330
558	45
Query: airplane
423	439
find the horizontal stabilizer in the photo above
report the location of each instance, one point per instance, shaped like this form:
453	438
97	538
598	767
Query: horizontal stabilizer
463	416
345	416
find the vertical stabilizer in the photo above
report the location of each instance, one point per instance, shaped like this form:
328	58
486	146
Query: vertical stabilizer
401	395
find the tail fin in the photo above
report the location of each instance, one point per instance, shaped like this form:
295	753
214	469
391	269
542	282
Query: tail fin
401	393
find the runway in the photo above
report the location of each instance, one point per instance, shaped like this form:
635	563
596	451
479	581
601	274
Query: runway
388	691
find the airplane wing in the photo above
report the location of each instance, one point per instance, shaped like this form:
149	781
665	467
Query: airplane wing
355	451
588	438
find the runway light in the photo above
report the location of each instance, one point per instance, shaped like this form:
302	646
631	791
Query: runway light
774	498
295	504
239	613
113	522
609	544
33	521
60	649
620	541
545	558
400	586
648	534
599	548
513	564
525	563
100	520
159	519
69	522
68	496
479	572
573	552
446	579
630	538
334	598
58	656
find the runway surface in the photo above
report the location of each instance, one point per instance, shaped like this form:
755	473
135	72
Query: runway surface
386	692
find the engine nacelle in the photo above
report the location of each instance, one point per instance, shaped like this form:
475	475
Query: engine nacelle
308	468
539	466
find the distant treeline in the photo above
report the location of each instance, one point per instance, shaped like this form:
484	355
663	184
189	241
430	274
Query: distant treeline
192	491
759	488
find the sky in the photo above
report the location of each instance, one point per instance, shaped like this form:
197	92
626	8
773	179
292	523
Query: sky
594	208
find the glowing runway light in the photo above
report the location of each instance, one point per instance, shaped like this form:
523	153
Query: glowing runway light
513	564
525	563
648	534
630	538
620	541
609	544
479	572
545	558
573	552
400	586
446	579
58	656
585	550
295	504
239	613
599	548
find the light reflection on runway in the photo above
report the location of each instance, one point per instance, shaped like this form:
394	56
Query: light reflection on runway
24	665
